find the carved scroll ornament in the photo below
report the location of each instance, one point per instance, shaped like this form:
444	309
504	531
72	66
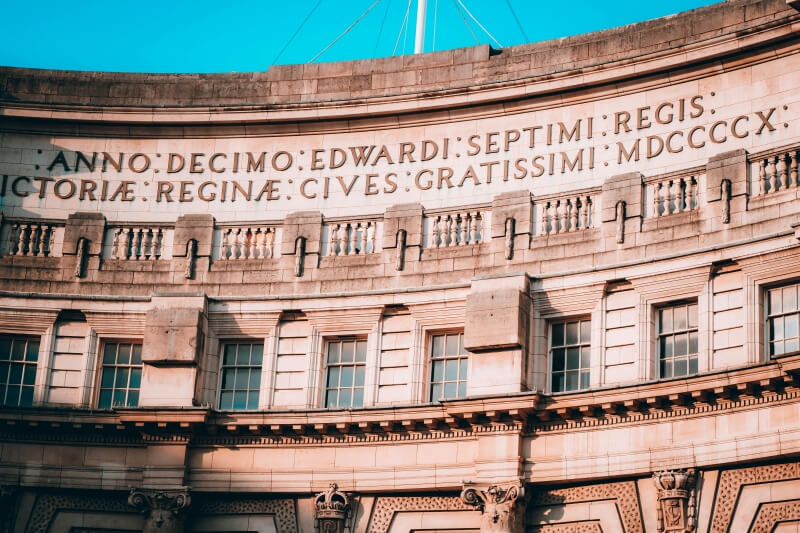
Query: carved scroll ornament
500	507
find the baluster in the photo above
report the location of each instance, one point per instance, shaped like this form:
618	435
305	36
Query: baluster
127	242
235	243
782	170
673	192
34	239
24	241
793	168
452	230
251	238
371	236
341	235
772	175
140	234
13	239
562	216
225	249
545	218
580	213
573	214
241	244
469	236
147	237
334	239
353	240
762	176
116	244
443	231
44	240
656	199
269	239
473	228
158	242
694	202
363	245
257	245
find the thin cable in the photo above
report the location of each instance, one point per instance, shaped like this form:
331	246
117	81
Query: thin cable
300	27
435	13
466	23
350	27
480	25
403	25
380	31
519	24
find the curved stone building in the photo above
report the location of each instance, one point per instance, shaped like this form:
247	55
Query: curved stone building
549	288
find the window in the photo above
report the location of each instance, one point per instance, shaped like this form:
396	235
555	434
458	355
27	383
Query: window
782	320
241	375
121	375
18	356
570	343
677	340
448	366
346	366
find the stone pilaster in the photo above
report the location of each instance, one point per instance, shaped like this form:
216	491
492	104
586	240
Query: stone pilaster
164	510
676	500
501	506
331	510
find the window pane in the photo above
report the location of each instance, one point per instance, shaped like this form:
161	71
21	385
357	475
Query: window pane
121	379
790	345
667	367
256	354
438	371
346	379
252	399
15	378
243	355
345	398
242	378
18	350
558	335
133	398
124	354
679	318
5	348
436	392
240	400
462	372
230	355
462	389
347	352
666	347
777	327
681	344
226	400
585	357
437	346
12	395
359	382
558	359
584	380
461	344
693	342
255	379
775	301
333	376
136	354
105	399
27	396
572	381
586	331
30	375
693	365
451	347
790	326
681	367
450	390
777	348
361	351
573	358
451	370
558	382
358	398
32	353
331	398
136	378
572	333
666	320
119	397
3	373
789	299
693	316
333	352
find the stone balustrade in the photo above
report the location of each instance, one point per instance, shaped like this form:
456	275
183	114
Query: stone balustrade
775	172
32	239
140	242
674	195
457	228
567	214
247	242
352	237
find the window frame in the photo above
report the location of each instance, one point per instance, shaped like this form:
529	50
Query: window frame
98	388
657	334
221	344
430	334
766	317
326	342
550	322
25	364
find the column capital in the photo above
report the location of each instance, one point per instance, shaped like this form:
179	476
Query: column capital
676	500
163	509
500	506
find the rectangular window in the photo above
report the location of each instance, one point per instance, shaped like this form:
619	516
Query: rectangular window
241	375
449	361
783	316
346	363
570	344
18	356
677	340
121	375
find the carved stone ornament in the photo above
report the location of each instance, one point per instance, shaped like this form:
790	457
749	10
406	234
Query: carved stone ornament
300	255
620	216
83	255
331	509
676	500
401	250
726	201
510	223
191	258
500	505
163	509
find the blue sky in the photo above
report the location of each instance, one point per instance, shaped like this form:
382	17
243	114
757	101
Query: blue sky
249	35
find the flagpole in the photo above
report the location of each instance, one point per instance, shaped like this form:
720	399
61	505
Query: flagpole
419	41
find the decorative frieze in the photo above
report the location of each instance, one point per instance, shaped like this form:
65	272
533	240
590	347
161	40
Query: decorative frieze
676	500
500	506
164	510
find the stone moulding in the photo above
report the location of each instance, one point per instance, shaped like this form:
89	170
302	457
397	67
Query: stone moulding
386	507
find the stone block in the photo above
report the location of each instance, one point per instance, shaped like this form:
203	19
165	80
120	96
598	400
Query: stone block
516	205
172	336
199	227
306	224
626	187
726	166
402	216
497	314
91	226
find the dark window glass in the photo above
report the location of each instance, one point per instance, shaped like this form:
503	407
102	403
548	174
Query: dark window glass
121	375
783	320
241	375
449	362
569	353
346	372
18	356
677	340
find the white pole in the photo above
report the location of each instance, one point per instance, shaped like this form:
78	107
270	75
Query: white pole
419	42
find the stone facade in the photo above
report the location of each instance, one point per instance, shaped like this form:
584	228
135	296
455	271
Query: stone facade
550	288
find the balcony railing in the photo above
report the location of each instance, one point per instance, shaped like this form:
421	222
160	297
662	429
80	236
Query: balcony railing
776	172
356	237
140	242
458	228
675	195
33	239
247	242
567	214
